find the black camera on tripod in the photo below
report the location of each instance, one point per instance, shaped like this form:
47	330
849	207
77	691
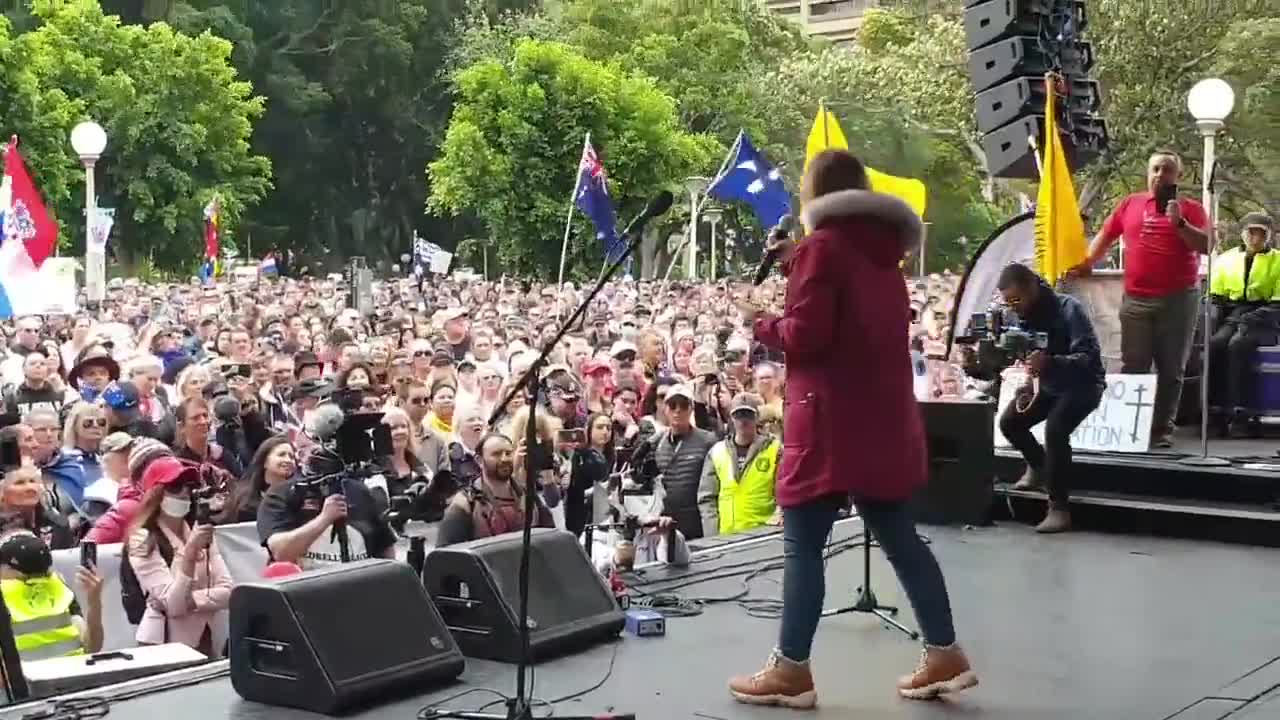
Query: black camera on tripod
423	501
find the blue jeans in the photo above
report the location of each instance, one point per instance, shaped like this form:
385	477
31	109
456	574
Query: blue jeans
804	535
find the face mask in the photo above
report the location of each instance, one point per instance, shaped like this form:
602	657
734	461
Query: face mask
175	507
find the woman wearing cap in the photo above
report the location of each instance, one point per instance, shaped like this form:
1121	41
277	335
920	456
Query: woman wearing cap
187	597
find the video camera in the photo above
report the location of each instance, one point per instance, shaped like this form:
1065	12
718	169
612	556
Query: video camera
1000	342
421	502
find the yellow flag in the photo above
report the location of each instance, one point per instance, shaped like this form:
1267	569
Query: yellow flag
1060	243
827	135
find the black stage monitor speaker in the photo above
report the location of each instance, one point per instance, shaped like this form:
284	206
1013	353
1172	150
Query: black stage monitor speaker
961	437
328	640
476	586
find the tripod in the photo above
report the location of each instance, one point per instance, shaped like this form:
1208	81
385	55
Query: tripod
520	707
867	602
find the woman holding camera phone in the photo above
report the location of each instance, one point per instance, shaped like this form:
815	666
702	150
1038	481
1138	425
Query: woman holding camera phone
175	558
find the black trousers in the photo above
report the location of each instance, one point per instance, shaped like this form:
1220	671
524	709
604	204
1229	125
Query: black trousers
1061	415
1231	350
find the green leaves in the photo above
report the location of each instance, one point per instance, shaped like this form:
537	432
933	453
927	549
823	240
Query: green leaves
177	120
511	152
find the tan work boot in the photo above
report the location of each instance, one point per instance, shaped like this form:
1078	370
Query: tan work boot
1057	520
941	670
1030	480
782	682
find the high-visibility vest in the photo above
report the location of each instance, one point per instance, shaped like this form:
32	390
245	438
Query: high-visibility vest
41	612
746	502
1228	276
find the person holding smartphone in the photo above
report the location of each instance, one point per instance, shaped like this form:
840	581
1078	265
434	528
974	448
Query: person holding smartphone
1164	236
176	560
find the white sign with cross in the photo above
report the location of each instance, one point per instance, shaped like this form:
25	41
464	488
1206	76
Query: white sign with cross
1121	423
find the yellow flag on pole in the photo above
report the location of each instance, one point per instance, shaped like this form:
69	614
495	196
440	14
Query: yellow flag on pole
827	135
1060	243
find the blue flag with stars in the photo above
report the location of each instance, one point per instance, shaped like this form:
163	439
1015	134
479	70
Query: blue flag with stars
592	198
751	179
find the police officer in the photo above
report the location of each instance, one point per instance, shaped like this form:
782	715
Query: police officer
1244	288
736	492
47	620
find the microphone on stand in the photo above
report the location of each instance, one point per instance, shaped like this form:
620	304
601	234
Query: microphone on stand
780	232
658	206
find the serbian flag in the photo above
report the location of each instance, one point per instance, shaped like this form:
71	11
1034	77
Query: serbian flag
209	270
28	237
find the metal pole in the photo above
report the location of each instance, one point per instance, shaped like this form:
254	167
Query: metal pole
924	243
94	259
568	221
691	263
1210	130
714	221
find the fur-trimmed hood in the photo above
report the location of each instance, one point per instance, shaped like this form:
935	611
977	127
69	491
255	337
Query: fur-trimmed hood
906	225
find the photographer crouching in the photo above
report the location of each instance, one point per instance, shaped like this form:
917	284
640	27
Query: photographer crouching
1066	381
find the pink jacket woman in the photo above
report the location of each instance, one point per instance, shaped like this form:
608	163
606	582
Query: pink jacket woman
187	597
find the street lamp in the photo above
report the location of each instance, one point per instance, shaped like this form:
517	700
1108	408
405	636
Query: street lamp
696	186
713	216
1210	102
88	139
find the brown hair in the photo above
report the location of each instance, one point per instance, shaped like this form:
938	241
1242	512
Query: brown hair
832	171
147	520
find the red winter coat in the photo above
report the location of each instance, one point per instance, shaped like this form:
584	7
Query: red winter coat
851	424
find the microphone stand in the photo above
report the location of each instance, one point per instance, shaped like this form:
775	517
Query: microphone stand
520	707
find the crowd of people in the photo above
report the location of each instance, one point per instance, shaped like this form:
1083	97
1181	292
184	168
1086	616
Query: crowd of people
171	408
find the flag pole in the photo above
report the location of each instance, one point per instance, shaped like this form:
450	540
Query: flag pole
568	221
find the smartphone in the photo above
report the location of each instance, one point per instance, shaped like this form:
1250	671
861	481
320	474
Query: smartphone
240	371
1164	195
575	436
204	513
88	554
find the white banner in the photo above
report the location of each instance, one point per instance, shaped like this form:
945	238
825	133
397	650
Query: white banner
1121	423
102	223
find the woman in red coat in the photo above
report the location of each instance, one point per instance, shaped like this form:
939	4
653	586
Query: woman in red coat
853	428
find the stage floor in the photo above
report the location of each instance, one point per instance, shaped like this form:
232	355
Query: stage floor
1081	626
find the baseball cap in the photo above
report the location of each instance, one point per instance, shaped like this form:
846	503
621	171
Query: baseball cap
441	357
622	346
593	366
745	402
116	442
679	391
565	388
454	313
168	471
121	397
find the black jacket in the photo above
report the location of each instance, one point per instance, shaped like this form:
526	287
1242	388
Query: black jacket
1075	359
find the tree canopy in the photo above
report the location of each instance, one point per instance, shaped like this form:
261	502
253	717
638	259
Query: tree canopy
512	148
178	123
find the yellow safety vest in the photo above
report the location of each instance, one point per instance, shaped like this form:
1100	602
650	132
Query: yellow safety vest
41	613
1228	276
746	502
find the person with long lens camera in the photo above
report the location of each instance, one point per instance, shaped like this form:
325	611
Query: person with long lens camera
1066	380
328	514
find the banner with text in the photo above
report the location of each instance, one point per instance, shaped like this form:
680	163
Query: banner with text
1121	423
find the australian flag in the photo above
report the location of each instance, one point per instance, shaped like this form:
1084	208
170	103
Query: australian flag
592	198
751	179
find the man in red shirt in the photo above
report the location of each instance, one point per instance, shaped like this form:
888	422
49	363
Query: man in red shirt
1162	246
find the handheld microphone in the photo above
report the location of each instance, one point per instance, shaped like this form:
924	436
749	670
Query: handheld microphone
780	232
